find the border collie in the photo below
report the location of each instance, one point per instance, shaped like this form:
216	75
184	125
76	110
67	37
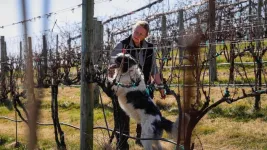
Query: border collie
128	84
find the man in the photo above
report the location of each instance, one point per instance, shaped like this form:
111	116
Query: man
143	52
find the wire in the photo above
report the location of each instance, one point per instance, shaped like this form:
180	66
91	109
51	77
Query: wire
47	15
74	127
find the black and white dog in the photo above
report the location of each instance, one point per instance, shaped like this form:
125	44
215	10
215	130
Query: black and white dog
129	86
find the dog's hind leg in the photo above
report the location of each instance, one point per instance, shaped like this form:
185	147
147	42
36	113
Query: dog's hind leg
157	144
147	144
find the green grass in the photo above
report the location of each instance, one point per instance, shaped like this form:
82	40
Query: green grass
237	115
4	140
241	113
4	110
206	130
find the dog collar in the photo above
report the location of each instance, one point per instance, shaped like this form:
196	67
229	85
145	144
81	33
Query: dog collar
132	84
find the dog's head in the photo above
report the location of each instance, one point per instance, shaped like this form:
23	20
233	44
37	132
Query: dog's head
123	62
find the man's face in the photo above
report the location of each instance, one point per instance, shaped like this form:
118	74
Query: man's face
139	34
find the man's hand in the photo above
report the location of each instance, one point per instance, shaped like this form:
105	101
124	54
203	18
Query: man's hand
162	93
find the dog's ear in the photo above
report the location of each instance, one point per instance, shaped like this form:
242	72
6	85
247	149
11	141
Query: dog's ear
126	58
131	61
118	59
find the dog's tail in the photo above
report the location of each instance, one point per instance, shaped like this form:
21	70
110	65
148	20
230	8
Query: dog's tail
172	127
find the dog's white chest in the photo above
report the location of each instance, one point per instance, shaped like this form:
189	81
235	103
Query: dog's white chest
129	109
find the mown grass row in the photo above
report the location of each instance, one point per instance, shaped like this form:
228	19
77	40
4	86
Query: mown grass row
226	121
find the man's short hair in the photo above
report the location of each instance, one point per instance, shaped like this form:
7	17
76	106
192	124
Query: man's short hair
143	24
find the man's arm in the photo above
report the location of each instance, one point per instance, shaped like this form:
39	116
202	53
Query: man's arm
155	74
157	78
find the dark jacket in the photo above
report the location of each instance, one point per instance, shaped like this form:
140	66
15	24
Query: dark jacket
148	62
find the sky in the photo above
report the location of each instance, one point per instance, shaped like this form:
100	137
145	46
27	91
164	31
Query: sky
10	12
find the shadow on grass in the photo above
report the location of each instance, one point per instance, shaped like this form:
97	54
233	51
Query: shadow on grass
3	140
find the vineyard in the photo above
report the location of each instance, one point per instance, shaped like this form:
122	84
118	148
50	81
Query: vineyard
211	56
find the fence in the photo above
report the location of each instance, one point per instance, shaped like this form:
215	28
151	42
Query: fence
60	62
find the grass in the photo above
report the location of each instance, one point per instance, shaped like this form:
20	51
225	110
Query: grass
222	73
241	113
233	126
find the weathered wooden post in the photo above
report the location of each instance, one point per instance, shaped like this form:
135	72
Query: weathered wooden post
20	54
3	67
95	57
87	89
44	55
33	105
265	19
163	36
258	59
98	47
4	75
2	52
212	51
232	62
163	26
57	53
250	11
181	33
30	82
42	64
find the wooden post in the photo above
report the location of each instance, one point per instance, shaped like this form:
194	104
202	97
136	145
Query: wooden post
250	35
3	60
163	36
265	19
29	71
212	51
33	104
163	27
232	63
101	32
69	43
57	53
20	53
259	16
181	33
258	80
98	46
42	64
108	35
44	55
250	11
95	42
2	53
4	75
96	56
112	41
87	89
5	52
28	85
3	64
